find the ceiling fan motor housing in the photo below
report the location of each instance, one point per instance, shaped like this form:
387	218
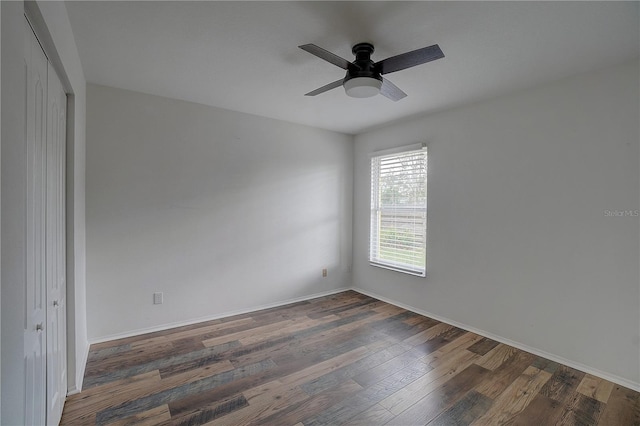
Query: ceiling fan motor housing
362	80
364	65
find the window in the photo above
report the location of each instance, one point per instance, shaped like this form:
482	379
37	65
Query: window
398	237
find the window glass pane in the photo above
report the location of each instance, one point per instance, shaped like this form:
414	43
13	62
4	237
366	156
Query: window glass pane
399	211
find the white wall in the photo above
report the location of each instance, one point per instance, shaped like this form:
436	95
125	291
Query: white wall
221	211
13	197
519	244
53	28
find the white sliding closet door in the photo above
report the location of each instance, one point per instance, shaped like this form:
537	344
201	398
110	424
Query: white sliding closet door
45	340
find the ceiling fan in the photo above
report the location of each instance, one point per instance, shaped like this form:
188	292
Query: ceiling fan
364	77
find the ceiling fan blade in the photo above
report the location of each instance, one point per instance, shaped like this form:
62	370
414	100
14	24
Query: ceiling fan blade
326	55
409	59
391	91
326	87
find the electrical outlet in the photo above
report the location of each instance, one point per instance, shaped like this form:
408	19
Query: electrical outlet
157	298
324	272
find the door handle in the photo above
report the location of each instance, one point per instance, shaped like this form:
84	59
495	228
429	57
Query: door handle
39	327
55	303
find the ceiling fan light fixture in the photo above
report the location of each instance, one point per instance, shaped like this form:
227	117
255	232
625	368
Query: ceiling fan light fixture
362	87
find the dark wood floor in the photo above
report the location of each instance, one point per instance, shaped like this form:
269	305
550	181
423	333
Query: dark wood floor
341	359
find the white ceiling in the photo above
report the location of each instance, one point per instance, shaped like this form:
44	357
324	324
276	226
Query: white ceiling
243	56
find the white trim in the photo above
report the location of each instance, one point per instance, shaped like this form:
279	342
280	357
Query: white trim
397	149
213	317
398	269
77	387
578	366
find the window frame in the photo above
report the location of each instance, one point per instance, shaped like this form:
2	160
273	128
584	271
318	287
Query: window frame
376	209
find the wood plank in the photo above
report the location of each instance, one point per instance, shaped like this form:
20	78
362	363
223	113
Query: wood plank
131	358
97	354
397	327
225	338
463	342
376	415
334	310
385	341
239	385
187	344
428	334
174	393
213	330
562	383
348	408
596	388
337	332
210	363
541	411
309	406
623	408
123	385
545	364
379	372
504	375
443	339
581	410
262	406
428	408
467	409
88	418
442	372
497	356
405	331
483	346
110	395
302	324
359	309
249	354
150	417
168	332
268	380
159	363
516	397
333	378
418	319
211	411
299	377
96	399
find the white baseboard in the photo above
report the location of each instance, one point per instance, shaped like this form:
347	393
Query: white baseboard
213	317
578	366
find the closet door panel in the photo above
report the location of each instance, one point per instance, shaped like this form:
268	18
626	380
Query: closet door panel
56	289
35	290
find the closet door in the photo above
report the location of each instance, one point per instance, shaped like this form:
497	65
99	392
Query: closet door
45	342
56	284
35	291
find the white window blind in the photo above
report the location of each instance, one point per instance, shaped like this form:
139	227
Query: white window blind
398	237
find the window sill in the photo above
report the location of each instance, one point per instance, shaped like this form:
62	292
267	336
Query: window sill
397	269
